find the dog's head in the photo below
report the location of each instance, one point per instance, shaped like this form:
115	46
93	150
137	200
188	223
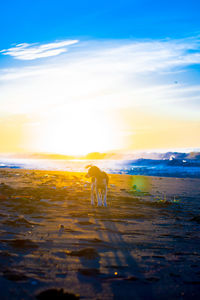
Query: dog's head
93	171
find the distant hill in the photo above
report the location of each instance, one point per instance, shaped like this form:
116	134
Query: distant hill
89	156
194	155
98	155
115	156
163	156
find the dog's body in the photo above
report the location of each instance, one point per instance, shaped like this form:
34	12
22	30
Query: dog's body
99	185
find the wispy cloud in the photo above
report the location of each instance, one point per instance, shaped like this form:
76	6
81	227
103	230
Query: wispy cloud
149	74
120	58
26	51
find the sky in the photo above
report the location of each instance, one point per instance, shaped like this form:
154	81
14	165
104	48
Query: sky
87	76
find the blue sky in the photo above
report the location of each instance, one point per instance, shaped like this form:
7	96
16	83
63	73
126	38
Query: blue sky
41	21
133	64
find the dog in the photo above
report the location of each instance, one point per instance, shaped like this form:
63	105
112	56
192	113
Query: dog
99	184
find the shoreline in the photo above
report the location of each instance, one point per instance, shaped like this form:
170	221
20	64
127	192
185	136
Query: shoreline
146	167
81	172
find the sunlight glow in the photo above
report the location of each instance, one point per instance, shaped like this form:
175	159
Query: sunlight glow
77	131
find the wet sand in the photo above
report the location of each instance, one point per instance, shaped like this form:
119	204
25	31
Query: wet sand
144	245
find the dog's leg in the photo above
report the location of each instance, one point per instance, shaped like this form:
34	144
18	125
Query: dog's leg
105	196
98	197
92	193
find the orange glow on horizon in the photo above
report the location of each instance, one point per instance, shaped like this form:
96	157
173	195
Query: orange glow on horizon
77	131
81	130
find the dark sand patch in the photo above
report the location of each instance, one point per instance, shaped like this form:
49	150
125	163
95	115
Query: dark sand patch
54	294
19	222
87	253
14	275
23	244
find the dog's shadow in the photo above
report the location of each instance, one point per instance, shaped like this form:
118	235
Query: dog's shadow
112	263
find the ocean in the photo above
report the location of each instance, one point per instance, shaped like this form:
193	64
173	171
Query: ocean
181	168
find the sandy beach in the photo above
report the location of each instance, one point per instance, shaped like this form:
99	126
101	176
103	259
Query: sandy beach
144	245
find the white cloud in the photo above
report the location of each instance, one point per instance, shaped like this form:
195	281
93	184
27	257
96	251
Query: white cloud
26	51
122	58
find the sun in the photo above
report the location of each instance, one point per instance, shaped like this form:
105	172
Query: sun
77	131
